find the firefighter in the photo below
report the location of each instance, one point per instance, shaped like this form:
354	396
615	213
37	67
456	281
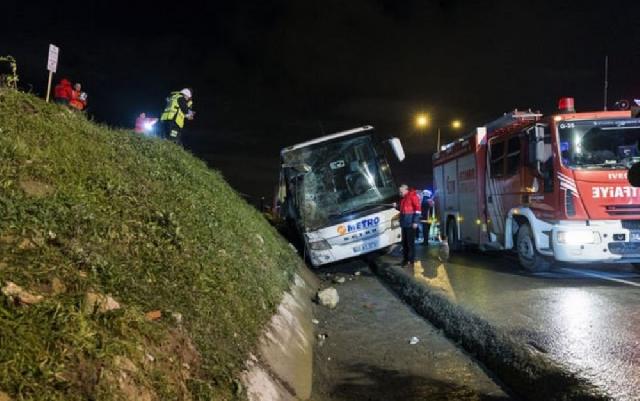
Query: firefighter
178	109
410	211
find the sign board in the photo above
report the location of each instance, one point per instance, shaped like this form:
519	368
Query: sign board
52	62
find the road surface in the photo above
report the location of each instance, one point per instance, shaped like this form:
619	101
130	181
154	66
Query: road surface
585	318
367	356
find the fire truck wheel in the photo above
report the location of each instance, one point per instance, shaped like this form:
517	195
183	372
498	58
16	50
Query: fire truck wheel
452	236
528	255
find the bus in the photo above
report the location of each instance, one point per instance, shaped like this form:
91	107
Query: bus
338	194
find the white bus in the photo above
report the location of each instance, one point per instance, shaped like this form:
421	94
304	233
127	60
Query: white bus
337	192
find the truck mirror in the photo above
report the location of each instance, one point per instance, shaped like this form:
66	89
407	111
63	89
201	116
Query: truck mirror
397	148
541	157
537	149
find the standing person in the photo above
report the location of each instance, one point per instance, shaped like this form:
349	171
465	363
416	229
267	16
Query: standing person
425	206
179	108
62	92
78	98
410	211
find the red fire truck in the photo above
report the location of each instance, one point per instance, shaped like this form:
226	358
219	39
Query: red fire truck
551	188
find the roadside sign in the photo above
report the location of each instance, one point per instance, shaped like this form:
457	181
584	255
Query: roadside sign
52	63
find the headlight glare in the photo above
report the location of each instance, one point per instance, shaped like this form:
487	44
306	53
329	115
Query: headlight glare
578	237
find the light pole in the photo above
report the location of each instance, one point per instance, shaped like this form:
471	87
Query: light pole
422	121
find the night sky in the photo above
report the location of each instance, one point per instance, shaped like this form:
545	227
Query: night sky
272	73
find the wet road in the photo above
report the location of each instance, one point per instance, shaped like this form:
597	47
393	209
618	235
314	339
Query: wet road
585	318
367	355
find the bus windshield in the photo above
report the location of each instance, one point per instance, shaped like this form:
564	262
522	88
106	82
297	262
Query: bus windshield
599	143
345	176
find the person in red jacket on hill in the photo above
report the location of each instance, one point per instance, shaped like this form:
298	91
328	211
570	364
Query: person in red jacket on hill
62	92
410	211
78	98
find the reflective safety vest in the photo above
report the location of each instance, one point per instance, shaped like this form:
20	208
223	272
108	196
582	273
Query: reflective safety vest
173	112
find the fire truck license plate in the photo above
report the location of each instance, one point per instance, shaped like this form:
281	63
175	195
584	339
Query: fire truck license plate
634	236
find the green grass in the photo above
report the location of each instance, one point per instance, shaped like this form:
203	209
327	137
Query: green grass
109	211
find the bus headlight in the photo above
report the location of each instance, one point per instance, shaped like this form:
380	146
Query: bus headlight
321	245
578	237
395	221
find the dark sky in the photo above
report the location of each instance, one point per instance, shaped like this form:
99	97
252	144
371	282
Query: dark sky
268	74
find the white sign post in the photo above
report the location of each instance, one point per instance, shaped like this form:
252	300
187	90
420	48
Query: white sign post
52	65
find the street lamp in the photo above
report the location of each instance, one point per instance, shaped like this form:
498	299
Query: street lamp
423	120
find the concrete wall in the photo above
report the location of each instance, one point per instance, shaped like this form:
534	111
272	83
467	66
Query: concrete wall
282	369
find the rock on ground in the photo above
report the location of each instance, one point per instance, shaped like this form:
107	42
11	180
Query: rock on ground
17	294
95	302
329	297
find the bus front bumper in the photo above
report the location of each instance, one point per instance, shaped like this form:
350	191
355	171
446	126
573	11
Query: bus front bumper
348	250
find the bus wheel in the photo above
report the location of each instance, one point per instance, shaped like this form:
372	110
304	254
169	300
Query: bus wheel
636	266
528	255
452	236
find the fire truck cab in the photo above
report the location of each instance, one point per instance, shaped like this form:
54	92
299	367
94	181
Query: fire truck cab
551	188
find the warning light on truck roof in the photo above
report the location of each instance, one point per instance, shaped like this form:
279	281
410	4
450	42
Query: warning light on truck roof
566	105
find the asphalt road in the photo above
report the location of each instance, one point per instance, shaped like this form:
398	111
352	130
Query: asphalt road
367	355
587	318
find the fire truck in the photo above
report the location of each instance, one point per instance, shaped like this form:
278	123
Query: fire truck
551	188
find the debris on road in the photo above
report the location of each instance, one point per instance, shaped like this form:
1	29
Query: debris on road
339	280
357	273
329	297
321	338
414	340
315	321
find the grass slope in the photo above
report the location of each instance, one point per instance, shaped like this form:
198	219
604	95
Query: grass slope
85	208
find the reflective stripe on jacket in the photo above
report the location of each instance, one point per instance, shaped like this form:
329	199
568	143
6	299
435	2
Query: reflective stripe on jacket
173	111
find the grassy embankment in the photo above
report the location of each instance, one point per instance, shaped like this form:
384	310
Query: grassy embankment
85	210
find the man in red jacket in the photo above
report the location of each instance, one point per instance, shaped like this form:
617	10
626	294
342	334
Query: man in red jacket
409	219
62	92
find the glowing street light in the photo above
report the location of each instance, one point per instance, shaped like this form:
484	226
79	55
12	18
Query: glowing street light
422	120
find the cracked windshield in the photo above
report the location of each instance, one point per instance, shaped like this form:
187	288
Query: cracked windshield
346	176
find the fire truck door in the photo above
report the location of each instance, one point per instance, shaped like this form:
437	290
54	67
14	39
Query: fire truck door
504	181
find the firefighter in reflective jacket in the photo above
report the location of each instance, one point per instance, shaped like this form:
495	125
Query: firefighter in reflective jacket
178	109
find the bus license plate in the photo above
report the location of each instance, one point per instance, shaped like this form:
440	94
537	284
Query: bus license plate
365	247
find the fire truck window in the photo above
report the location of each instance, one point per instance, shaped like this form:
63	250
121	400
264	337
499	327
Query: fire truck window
497	159
513	156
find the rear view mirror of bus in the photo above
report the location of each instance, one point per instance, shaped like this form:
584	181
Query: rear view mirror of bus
397	148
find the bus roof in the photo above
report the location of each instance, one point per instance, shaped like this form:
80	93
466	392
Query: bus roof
327	138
